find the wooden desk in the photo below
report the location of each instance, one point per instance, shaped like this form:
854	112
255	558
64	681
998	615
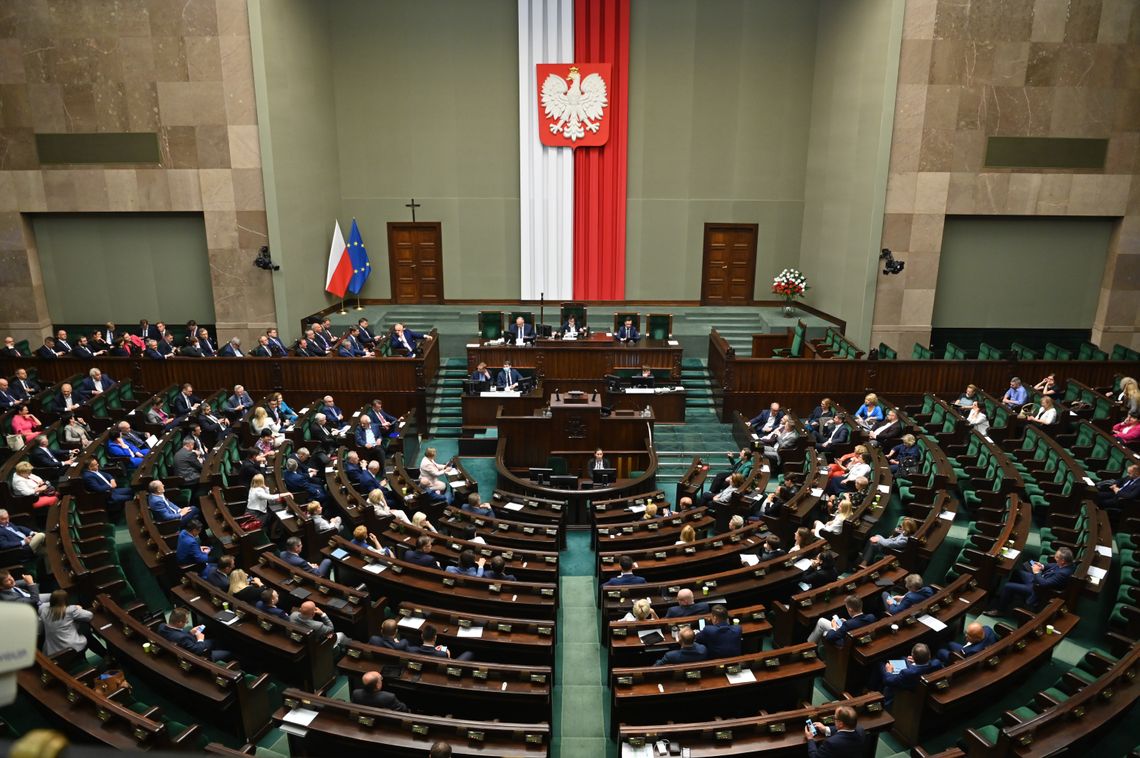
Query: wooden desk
481	410
580	364
668	406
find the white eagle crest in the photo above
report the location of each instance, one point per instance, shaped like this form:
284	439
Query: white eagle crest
575	105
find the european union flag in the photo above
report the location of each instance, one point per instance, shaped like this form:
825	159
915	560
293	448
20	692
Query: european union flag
358	255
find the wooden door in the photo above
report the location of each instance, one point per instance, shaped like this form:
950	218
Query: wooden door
415	258
729	269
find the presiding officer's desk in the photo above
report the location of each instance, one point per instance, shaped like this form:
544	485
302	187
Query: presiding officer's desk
480	409
579	364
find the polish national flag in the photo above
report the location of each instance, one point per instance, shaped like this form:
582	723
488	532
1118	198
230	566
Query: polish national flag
340	265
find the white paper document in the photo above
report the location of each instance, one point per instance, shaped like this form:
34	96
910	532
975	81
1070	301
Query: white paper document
1010	553
932	622
749	560
411	622
300	716
948	515
513	506
803	564
742	677
884	488
1104	550
629	751
504	393
470	631
375	568
637	509
816	491
1097	572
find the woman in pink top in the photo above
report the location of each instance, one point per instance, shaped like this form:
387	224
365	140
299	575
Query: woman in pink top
1128	430
26	424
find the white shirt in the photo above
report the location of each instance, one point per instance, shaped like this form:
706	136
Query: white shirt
26	485
259	499
1046	416
858	470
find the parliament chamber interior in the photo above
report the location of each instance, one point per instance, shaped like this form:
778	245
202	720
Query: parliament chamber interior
688	377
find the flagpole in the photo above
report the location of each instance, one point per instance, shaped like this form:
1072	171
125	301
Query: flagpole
359	307
342	310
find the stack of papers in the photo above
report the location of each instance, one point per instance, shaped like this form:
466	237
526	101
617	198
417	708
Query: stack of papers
1104	550
470	631
932	622
411	622
803	564
513	506
742	677
749	560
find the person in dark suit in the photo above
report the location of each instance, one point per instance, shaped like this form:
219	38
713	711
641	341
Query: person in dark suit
131	455
316	348
686	606
292	555
167	510
689	652
268	604
24	388
370	694
428	646
47	350
626	576
834	629
232	349
365	336
165	345
120	348
344	349
205	344
822	570
238	402
192	349
520	331
81	350
95	480
404	339
844	740
9	350
1116	494
387	637
190	548
599	461
152	352
1034	580
146	331
469	565
276	346
572	327
476	505
185	401
193	639
916	592
28	542
767	420
262	350
42	456
368	438
422	556
66	400
919	662
299	483
218	574
186	464
386	424
835	435
978	638
62	346
7	398
496	569
508	378
721	638
95	384
481	373
627	332
22	590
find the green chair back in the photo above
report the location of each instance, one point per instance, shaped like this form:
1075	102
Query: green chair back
490	325
659	326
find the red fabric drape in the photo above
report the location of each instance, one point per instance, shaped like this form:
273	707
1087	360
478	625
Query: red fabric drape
601	35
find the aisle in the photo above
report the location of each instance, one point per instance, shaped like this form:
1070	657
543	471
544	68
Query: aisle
581	694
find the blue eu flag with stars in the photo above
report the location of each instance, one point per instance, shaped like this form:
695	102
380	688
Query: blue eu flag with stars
357	253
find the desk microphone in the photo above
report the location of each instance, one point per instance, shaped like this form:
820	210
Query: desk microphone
595	396
558	395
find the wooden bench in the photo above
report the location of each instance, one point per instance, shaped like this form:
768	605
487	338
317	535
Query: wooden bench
528	565
628	648
503	639
346	728
501	531
663	530
350	608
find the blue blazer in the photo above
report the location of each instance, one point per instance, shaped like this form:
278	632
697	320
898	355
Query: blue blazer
721	640
163	509
295	560
506	378
190	549
762	419
1052	577
488	511
623	579
95	483
836	636
631	334
693	654
228	351
87	386
473	571
680	611
271	610
362	438
838	745
907	679
154	355
420	559
239	403
909	599
184	639
392	420
527	332
332	413
989	637
10	540
395	344
295	481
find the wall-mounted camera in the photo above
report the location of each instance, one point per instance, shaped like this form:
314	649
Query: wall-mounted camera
890	265
265	260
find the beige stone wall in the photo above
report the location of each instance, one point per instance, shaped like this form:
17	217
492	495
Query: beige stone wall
181	68
969	70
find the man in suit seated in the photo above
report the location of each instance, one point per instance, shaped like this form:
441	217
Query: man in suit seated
368	439
292	555
721	638
185	401
1116	494
919	662
978	638
404	340
689	652
51	461
334	415
310	616
193	639
509	378
46	351
23	590
62	346
844	740
686	606
29	543
8	400
356	342
497	569
94	385
767	420
887	430
186	464
627	332
82	350
626	576
218	574
276	346
23	388
238	403
153	353
268	604
300	483
360	479
95	480
481	374
834	629
166	346
205	344
232	349
428	646
365	335
469	565
1034	580
520	332
388	637
371	694
475	505
571	328
916	592
164	509
9	350
386	424
190	548
262	350
67	400
422	556
599	461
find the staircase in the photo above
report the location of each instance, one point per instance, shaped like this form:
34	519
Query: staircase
445	399
702	433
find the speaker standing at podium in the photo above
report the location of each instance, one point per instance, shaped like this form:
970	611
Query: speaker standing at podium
597	462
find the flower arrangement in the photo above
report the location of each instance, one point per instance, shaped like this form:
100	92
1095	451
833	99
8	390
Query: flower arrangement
790	284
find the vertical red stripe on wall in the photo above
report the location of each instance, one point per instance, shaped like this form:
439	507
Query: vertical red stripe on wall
601	35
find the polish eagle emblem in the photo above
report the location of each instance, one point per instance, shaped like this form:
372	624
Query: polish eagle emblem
573	108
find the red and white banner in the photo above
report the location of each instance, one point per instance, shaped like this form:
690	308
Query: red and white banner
573	104
340	265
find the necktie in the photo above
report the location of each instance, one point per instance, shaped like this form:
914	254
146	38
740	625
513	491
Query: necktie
21	592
